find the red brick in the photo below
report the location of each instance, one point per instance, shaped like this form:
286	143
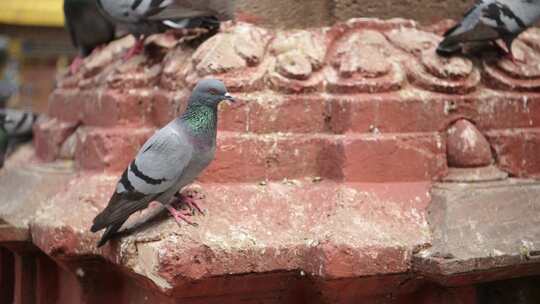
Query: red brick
66	105
294	113
137	72
166	106
388	112
343	262
49	134
108	148
248	157
517	151
496	111
352	114
234	116
393	157
114	107
397	112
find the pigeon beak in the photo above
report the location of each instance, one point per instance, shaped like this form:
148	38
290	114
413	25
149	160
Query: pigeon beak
229	97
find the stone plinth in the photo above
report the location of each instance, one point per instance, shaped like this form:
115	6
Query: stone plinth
322	189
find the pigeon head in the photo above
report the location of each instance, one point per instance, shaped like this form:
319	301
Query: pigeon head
210	92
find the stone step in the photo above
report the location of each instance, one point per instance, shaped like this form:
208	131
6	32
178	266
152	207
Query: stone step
248	157
351	157
270	112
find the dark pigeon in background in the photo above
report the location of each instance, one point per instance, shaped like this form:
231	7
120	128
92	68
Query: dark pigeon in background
88	28
4	141
19	124
16	128
7	89
146	17
171	159
7	86
490	20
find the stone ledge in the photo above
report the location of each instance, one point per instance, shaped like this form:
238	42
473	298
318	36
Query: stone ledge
327	230
482	232
337	234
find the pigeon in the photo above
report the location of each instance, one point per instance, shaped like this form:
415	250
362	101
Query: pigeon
88	28
18	125
490	20
169	160
146	17
7	89
3	140
15	129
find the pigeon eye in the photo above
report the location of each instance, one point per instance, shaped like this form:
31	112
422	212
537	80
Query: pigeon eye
213	91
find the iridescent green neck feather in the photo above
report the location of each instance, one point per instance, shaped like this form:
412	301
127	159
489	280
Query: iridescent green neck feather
201	119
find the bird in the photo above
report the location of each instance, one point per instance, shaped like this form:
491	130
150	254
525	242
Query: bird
491	20
146	17
7	89
88	28
4	140
168	161
16	127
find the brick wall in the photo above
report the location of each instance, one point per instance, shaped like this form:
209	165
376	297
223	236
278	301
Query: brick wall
327	177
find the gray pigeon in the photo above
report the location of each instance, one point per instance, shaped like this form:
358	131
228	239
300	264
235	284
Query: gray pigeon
16	127
4	140
490	20
19	124
87	26
145	17
171	159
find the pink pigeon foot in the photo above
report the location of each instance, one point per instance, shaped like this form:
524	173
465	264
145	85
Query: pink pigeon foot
179	216
136	49
76	65
190	202
508	53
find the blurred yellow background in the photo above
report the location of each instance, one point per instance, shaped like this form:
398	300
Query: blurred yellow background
32	12
38	47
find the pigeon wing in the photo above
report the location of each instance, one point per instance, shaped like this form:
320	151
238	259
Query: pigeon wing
156	168
179	9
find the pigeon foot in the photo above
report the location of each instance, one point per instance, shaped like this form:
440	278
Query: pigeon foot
136	49
76	65
190	202
508	53
179	216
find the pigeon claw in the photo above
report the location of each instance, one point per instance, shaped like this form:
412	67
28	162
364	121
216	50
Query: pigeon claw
190	202
136	49
180	217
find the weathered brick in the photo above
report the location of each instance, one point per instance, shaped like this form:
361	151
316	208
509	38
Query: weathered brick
517	151
293	113
66	105
108	148
166	106
234	116
112	107
248	157
49	134
393	157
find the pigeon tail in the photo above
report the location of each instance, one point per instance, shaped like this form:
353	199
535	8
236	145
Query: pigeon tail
446	49
118	210
109	233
